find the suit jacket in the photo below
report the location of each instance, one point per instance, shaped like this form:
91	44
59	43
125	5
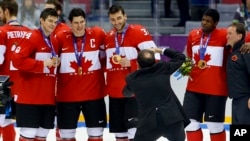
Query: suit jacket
152	89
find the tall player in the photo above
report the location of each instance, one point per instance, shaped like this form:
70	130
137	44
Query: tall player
11	35
36	60
122	44
80	86
61	25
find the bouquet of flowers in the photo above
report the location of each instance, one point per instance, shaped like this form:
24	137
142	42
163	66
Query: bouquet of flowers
185	69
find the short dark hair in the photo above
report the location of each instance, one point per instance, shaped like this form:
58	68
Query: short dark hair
146	58
58	4
12	6
240	29
213	13
116	8
48	12
75	12
2	5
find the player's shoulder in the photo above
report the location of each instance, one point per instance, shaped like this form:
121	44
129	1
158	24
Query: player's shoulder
63	33
111	32
221	31
195	31
136	26
63	26
95	30
23	27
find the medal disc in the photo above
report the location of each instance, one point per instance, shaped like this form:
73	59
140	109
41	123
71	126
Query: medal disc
202	64
79	71
116	59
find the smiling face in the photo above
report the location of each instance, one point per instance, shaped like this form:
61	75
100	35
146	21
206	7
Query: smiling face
78	26
118	20
49	24
232	36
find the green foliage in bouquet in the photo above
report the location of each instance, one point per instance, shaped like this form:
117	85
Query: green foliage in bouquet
186	67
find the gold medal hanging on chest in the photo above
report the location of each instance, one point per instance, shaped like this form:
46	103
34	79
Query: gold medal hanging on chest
116	59
79	70
202	64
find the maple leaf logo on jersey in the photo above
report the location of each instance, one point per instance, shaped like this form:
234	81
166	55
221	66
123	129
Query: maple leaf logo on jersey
51	70
115	64
74	65
207	57
85	65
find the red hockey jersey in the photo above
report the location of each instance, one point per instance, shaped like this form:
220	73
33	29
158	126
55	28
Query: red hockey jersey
212	79
89	85
10	38
38	82
59	27
136	38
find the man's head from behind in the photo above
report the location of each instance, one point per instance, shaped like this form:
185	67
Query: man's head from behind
146	58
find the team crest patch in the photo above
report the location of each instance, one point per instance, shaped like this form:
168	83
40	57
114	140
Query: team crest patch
17	49
234	58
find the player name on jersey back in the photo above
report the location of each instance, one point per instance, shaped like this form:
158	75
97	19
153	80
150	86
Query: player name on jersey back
18	34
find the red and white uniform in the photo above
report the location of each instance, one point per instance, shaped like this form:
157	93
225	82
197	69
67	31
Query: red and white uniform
247	39
136	38
59	27
212	79
72	87
10	37
38	82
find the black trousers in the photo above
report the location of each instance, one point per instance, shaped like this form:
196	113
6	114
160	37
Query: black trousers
173	132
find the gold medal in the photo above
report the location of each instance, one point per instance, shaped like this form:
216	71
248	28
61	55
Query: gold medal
79	70
202	64
116	59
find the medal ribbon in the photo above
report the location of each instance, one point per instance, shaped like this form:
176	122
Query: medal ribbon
203	47
117	45
48	42
79	55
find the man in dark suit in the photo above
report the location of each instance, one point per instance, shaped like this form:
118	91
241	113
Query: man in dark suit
160	112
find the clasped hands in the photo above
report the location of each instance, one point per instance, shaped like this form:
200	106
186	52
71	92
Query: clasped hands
52	62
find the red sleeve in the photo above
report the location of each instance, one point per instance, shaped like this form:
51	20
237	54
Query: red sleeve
142	34
189	45
100	37
24	57
247	39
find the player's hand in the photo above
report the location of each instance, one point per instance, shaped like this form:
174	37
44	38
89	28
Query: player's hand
125	62
56	61
48	63
245	48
